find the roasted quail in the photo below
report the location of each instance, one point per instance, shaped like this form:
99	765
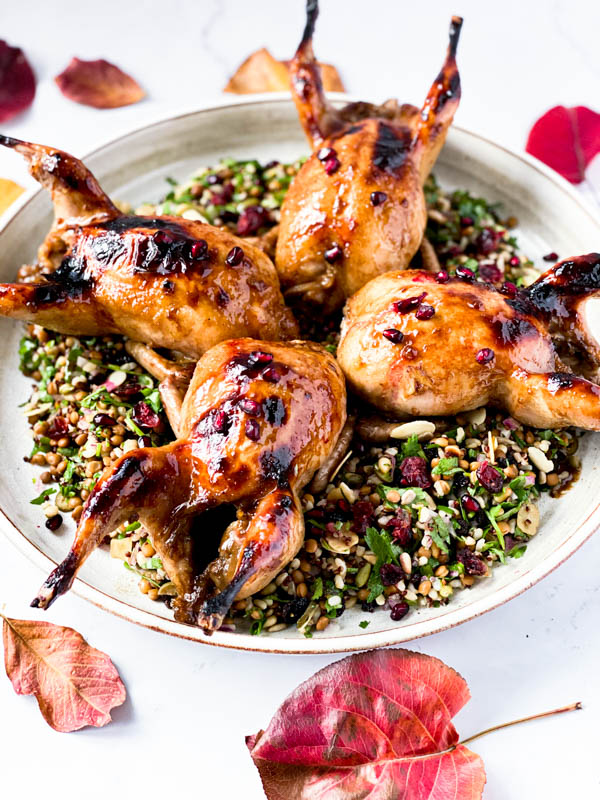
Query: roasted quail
165	281
257	421
414	344
356	209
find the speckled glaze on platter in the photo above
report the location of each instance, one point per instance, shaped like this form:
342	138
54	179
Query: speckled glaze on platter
133	167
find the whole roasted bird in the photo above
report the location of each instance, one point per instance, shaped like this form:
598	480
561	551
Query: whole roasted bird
165	281
356	208
416	344
257	421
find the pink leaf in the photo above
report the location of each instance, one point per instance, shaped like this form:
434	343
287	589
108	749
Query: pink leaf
17	82
376	725
75	684
99	84
566	139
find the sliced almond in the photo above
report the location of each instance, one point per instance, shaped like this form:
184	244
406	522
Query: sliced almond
528	518
539	459
417	427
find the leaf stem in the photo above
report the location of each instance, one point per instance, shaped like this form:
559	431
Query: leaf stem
572	707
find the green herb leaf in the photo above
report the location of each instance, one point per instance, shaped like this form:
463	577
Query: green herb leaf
446	466
42	497
412	447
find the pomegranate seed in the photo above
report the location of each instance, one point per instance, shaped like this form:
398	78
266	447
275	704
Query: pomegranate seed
465	274
103	421
485	355
378	198
469	503
551	257
466	221
409	303
212	179
442	276
234	256
199	250
54	523
326	152
487	241
260	357
393	334
252	430
515	261
221	422
331	165
399	611
162	237
333	254
424	311
250	407
508	288
270	374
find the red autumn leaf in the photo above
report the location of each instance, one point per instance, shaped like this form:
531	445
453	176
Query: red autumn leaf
99	84
376	725
75	684
566	139
17	82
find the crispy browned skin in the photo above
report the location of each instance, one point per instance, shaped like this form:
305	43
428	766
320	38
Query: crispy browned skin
257	421
164	281
441	365
356	208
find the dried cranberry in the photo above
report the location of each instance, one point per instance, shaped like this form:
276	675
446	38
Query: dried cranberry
362	516
199	250
326	152
333	254
252	430
409	303
485	355
290	612
487	241
127	390
424	311
465	274
473	564
469	503
415	472
378	198
234	256
399	611
270	374
144	441
54	523
249	406
490	272
509	289
401	527
442	276
393	334
391	574
59	426
551	257
103	421
490	478
251	220
144	416
466	221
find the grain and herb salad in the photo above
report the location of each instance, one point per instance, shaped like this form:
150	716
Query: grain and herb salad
404	523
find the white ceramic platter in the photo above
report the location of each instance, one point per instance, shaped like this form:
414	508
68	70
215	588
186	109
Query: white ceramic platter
133	168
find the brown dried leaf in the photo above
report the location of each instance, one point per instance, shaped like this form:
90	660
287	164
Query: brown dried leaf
260	72
75	684
99	84
9	191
